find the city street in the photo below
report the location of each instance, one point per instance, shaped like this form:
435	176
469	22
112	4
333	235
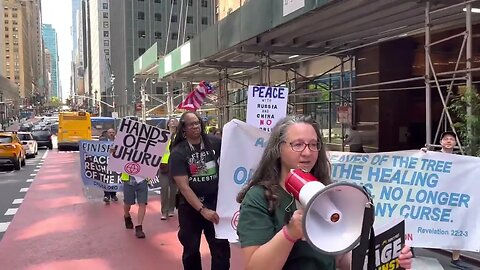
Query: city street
13	187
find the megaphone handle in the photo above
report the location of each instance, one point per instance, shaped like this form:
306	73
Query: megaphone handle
367	240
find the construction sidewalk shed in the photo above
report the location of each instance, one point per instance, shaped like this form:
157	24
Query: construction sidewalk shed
389	67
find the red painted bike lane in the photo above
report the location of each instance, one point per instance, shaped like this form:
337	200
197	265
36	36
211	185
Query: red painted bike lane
56	227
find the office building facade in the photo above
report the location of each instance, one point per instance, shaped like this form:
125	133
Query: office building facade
51	43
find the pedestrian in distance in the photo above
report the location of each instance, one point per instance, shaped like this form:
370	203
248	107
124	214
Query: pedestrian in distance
110	137
448	141
354	140
135	190
194	167
270	226
218	132
168	188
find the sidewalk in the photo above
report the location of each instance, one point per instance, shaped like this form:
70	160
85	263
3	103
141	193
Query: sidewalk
56	227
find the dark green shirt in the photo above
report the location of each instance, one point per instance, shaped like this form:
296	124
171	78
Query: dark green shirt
256	227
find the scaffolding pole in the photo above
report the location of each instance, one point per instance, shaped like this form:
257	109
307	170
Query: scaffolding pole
428	90
468	65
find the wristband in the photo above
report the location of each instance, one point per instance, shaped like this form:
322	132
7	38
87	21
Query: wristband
287	236
201	208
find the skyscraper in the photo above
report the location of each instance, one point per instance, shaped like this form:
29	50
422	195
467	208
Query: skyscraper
2	57
139	25
51	43
17	48
76	37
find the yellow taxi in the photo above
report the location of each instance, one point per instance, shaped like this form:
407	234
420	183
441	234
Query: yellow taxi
11	150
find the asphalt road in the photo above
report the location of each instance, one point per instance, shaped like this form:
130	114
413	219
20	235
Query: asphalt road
14	186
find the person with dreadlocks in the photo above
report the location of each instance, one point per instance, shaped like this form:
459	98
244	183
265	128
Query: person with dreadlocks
194	167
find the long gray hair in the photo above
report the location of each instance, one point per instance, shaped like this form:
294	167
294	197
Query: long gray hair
268	172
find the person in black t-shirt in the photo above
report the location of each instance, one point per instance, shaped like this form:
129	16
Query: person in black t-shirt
194	167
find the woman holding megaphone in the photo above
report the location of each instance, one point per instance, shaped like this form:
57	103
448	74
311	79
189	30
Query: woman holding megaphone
270	226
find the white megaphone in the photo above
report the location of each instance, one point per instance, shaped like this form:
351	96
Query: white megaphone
333	214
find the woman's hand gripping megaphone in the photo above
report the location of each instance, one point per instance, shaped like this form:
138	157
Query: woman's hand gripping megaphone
295	227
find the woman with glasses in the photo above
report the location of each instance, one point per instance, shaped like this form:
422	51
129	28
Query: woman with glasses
270	226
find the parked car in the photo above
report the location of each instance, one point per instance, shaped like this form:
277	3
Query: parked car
43	138
29	144
11	150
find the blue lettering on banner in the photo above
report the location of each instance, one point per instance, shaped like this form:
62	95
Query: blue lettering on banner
269	92
241	175
347	171
261	142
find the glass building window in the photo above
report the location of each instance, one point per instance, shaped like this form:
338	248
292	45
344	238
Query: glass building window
204	3
158	35
141	51
174	36
106	43
190	19
204	20
105	24
174	18
158	17
141	15
141	34
105	5
106	51
105	15
106	34
158	1
190	3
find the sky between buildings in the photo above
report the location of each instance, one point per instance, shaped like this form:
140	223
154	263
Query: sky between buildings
58	13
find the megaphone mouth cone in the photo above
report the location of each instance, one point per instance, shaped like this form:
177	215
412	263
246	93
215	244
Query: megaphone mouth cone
333	217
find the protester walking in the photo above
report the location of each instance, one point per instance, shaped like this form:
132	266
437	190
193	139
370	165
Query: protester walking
194	167
448	141
270	227
135	190
168	188
110	137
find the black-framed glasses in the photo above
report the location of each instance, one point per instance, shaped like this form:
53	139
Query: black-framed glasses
300	146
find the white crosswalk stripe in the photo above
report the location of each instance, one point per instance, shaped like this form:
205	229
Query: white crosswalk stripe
4	226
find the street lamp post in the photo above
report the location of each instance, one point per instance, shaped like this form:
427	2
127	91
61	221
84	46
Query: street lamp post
112	80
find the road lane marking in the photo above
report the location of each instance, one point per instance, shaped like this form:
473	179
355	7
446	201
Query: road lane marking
30	180
33	174
11	211
17	201
36	170
45	154
25	189
4	226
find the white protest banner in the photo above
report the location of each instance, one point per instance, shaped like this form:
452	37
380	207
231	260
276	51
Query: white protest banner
266	105
242	148
434	192
93	164
138	149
